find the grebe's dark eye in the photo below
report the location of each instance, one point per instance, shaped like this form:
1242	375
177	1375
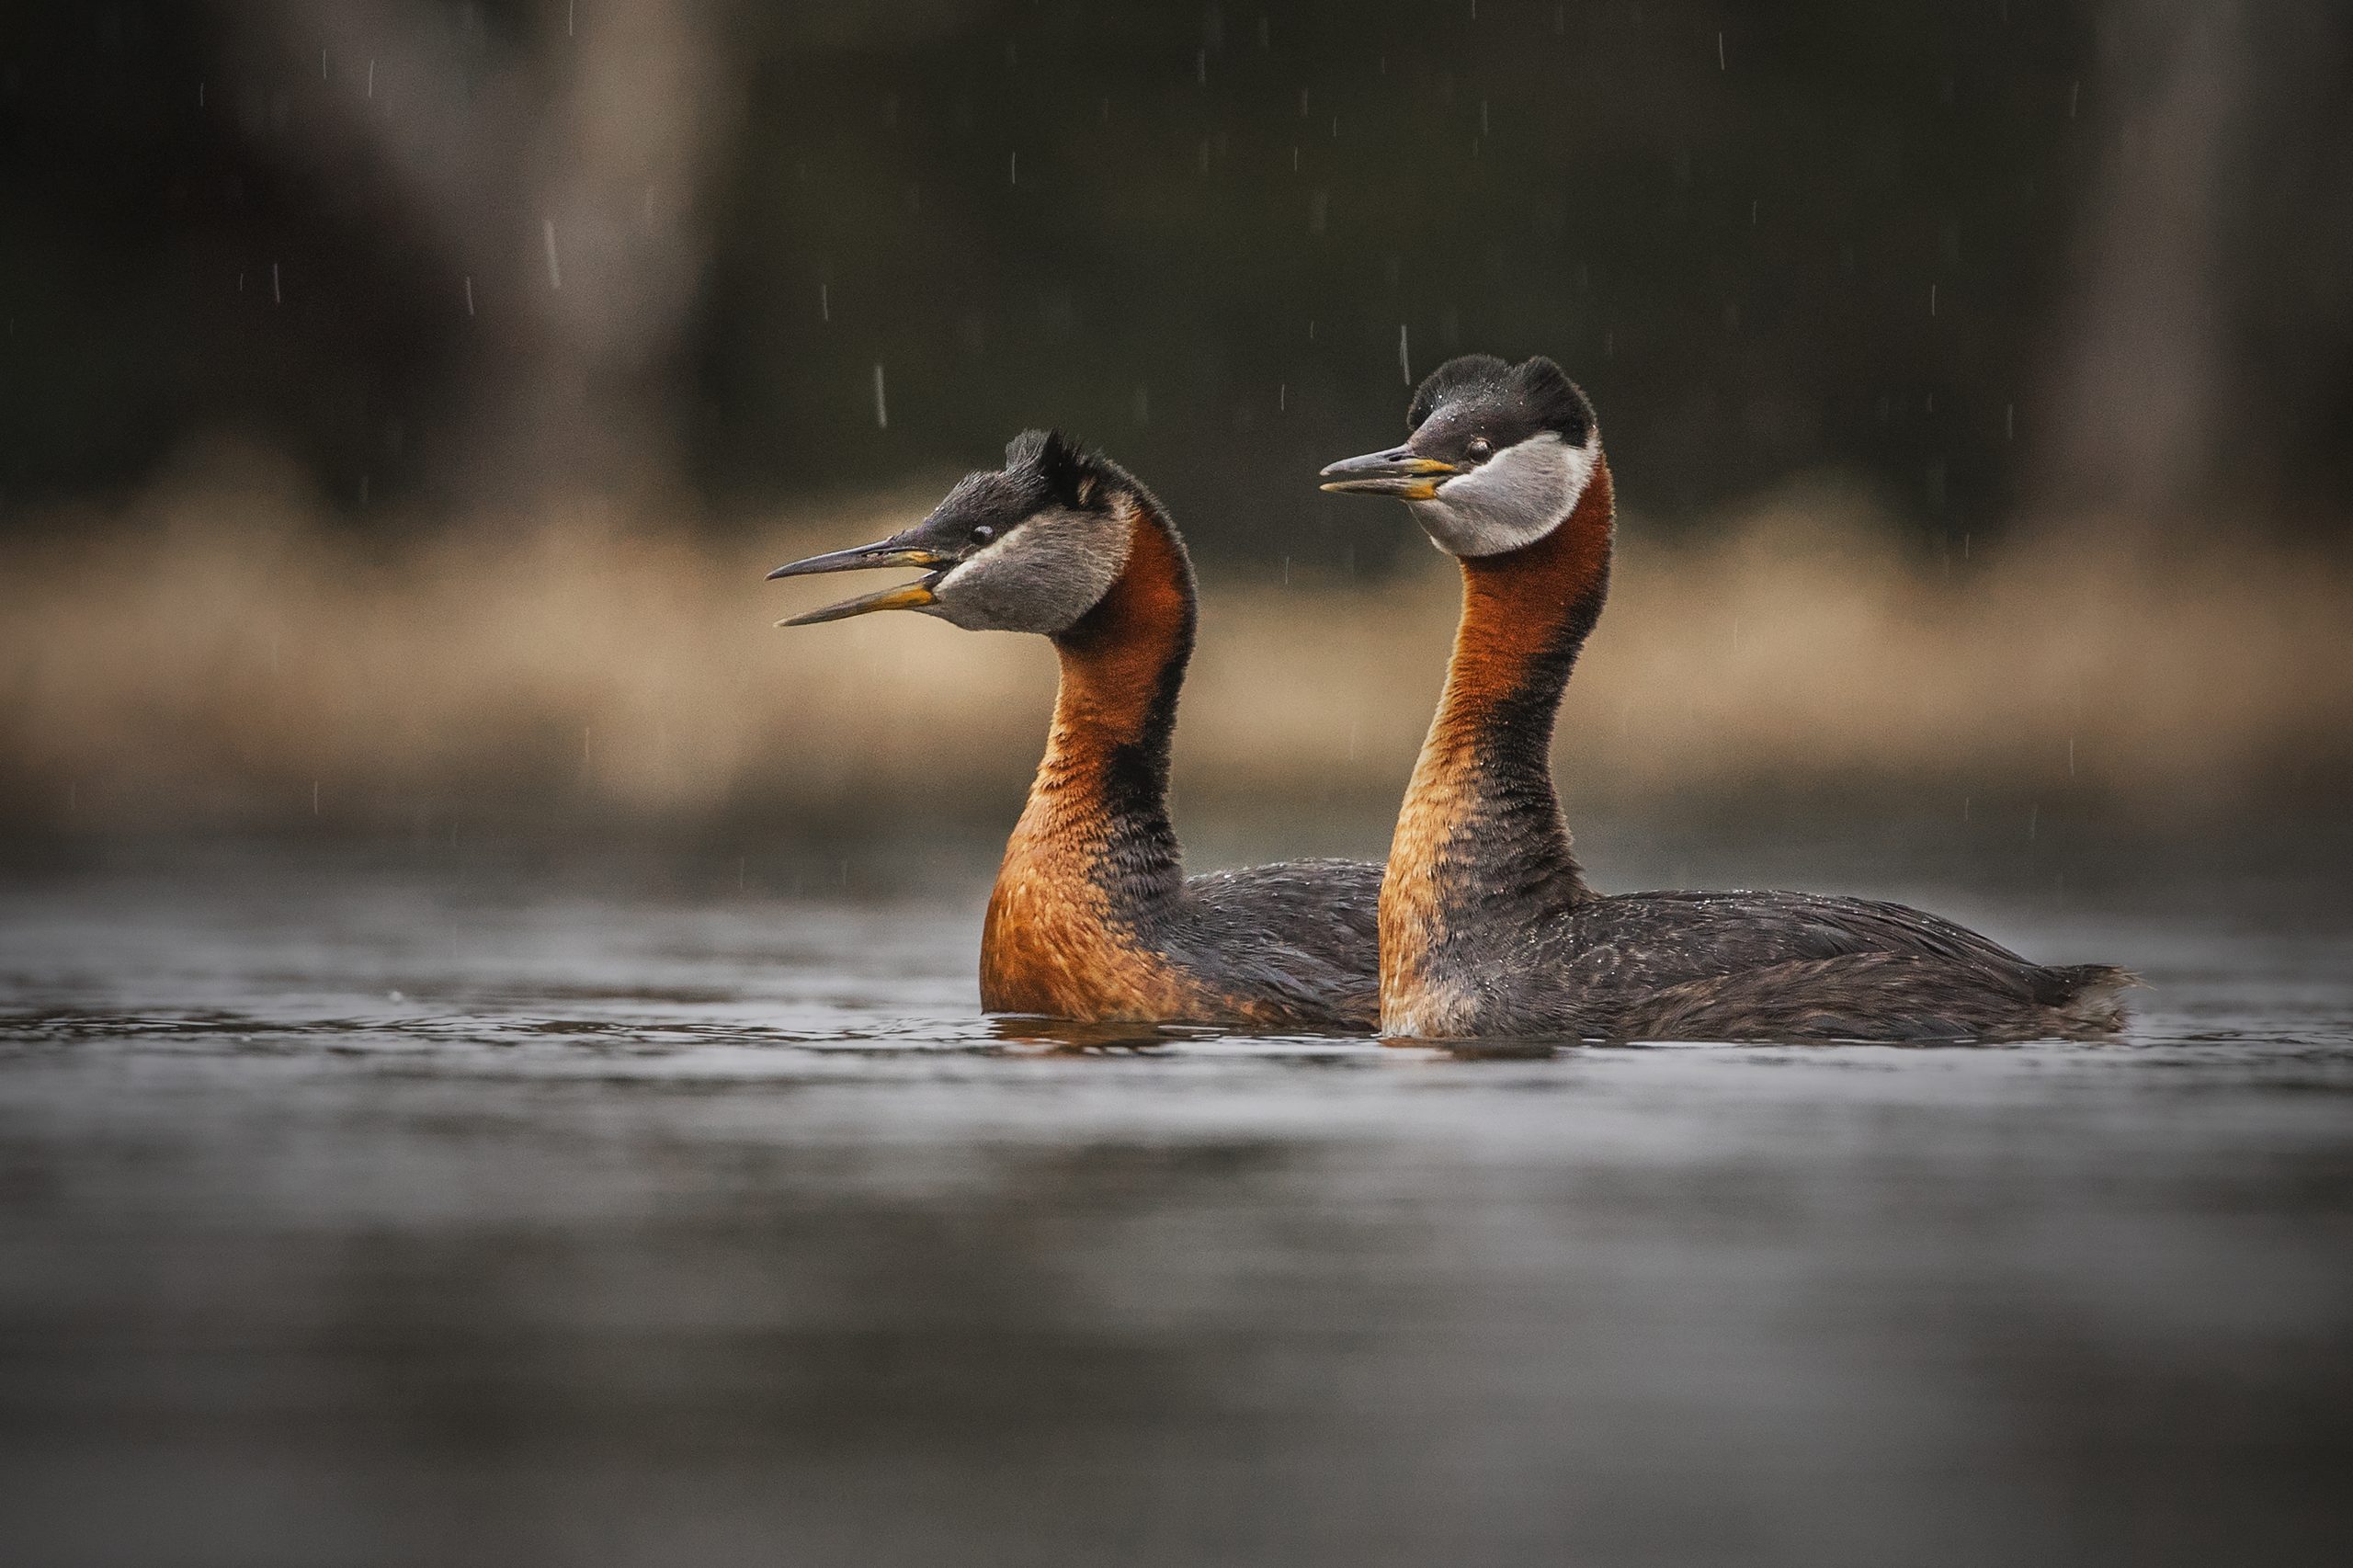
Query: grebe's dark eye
1479	448
983	534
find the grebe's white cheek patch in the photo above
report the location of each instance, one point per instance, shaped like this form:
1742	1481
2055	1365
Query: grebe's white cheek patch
1513	499
1039	576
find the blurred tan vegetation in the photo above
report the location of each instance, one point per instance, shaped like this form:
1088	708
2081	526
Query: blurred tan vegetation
209	655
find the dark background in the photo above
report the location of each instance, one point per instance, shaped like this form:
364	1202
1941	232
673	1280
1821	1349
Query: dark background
1191	234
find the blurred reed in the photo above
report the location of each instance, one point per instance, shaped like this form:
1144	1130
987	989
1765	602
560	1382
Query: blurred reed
211	656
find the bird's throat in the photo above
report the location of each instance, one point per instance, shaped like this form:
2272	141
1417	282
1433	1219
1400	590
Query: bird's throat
1094	855
1481	838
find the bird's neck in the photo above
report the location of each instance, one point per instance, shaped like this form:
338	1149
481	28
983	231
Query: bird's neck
1098	807
1481	831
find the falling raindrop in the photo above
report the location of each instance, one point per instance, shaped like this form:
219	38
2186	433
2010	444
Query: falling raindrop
371	79
276	298
1143	404
555	273
470	293
1404	356
824	302
1719	54
2071	757
1012	169
2009	421
570	7
1932	298
2075	94
1282	397
882	409
315	797
1201	67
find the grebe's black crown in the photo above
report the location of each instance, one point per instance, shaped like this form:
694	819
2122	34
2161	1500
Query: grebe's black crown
1511	402
1052	462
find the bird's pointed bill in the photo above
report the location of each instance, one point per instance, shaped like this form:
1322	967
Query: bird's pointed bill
1396	473
869	557
865	557
907	596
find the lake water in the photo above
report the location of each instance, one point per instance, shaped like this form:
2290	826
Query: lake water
420	1210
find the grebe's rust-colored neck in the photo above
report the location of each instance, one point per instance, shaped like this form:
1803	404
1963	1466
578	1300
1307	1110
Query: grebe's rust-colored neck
1122	666
1525	613
1094	858
1481	838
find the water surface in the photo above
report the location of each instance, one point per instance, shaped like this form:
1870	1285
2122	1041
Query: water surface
427	1213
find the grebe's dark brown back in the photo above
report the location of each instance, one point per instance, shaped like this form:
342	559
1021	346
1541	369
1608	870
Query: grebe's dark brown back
1487	926
1092	917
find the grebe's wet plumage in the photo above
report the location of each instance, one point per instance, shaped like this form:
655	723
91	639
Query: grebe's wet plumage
1487	927
1092	917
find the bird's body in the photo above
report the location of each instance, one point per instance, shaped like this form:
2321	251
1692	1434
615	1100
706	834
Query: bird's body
1487	927
1092	917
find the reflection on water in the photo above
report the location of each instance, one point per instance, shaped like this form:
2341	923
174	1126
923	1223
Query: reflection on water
456	1220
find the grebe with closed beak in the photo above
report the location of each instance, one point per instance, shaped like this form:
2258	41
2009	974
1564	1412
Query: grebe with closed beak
1487	927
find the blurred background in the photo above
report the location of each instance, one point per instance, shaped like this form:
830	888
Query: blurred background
403	398
490	1064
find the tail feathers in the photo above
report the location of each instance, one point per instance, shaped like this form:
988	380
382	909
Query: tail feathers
2087	997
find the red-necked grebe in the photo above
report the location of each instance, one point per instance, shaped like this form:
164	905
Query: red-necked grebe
1092	917
1487	927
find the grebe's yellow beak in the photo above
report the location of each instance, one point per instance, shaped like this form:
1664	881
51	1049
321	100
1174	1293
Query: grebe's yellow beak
889	553
1398	471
